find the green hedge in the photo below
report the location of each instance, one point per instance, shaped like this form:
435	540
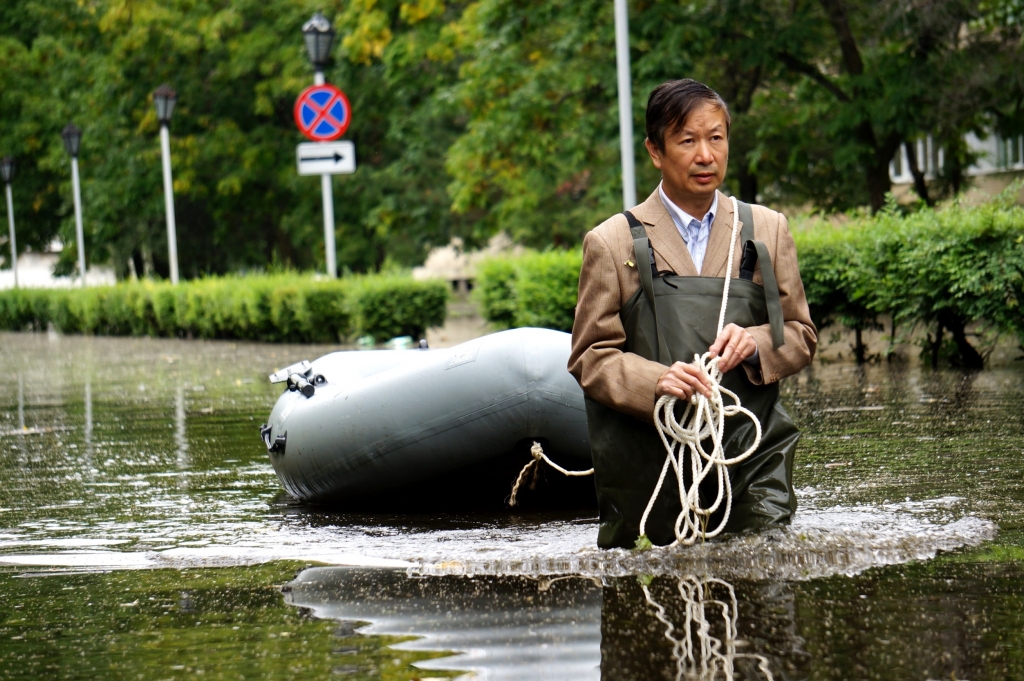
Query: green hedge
534	289
946	269
276	308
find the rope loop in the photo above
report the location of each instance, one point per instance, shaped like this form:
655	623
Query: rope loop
683	438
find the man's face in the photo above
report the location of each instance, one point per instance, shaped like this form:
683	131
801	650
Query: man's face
695	158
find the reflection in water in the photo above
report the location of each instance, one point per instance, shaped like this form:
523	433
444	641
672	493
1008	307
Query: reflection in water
21	402
712	654
501	628
180	437
699	627
568	627
87	431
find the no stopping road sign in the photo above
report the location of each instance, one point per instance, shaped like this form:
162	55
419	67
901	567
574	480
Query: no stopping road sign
322	113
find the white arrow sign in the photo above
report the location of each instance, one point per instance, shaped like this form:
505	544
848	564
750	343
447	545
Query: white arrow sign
326	158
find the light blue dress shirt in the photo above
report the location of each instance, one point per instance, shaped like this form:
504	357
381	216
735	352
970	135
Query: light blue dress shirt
694	232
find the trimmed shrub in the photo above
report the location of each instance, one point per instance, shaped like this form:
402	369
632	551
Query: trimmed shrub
947	269
534	289
275	308
546	289
495	291
387	307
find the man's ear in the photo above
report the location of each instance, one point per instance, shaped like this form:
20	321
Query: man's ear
654	152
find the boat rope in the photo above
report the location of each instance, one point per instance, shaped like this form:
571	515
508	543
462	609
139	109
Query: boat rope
712	657
703	417
538	455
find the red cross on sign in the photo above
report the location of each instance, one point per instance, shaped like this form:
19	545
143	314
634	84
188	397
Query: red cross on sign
322	113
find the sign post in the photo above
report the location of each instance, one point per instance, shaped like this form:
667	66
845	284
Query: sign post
323	114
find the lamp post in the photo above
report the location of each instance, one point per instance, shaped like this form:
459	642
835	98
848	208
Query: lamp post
164	98
72	135
7	169
625	104
319	37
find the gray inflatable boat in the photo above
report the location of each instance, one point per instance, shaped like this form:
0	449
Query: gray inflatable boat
387	426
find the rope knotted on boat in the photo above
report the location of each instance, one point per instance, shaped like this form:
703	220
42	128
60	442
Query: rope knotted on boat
538	455
703	417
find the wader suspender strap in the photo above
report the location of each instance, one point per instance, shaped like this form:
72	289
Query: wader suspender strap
771	286
642	251
644	254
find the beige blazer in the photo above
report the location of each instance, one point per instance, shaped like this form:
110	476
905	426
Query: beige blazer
626	381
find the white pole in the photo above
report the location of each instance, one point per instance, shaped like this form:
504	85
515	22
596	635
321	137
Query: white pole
332	265
14	243
172	237
328	195
79	232
625	104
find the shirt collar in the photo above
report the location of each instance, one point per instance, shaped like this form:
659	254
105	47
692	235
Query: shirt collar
680	216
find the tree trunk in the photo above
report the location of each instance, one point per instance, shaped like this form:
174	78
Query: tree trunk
936	344
858	345
969	357
891	351
748	184
920	186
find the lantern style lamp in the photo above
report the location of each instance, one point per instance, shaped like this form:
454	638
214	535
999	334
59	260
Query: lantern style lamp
164	98
319	37
7	170
72	136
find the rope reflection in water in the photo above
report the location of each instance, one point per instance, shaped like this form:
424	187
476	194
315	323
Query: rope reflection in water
698	653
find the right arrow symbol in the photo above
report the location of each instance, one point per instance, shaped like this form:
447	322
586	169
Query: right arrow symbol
336	158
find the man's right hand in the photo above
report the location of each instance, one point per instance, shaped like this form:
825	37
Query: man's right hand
682	380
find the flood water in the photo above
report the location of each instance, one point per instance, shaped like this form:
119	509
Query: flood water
143	534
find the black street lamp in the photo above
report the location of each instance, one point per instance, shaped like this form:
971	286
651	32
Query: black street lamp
72	136
7	170
164	98
319	37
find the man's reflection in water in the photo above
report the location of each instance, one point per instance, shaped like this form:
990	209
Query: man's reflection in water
705	628
569	627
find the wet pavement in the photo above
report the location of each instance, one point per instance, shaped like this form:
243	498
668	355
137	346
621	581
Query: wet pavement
905	559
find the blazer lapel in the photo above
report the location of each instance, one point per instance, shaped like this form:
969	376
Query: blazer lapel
718	240
664	236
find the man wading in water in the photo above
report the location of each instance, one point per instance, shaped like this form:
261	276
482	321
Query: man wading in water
639	323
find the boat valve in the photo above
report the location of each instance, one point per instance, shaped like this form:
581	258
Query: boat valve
297	382
298	378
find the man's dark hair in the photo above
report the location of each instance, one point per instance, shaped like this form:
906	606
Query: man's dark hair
671	103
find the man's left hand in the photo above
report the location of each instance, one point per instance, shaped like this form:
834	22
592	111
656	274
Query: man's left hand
734	345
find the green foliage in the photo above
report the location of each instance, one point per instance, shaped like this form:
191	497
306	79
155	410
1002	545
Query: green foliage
391	306
495	291
468	117
546	289
276	308
535	289
956	267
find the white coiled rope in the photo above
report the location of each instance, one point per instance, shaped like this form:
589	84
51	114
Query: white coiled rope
703	417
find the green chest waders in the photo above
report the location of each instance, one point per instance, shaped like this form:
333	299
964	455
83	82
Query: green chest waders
671	319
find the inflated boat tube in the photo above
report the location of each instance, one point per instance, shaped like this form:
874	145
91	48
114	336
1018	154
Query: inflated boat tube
380	420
